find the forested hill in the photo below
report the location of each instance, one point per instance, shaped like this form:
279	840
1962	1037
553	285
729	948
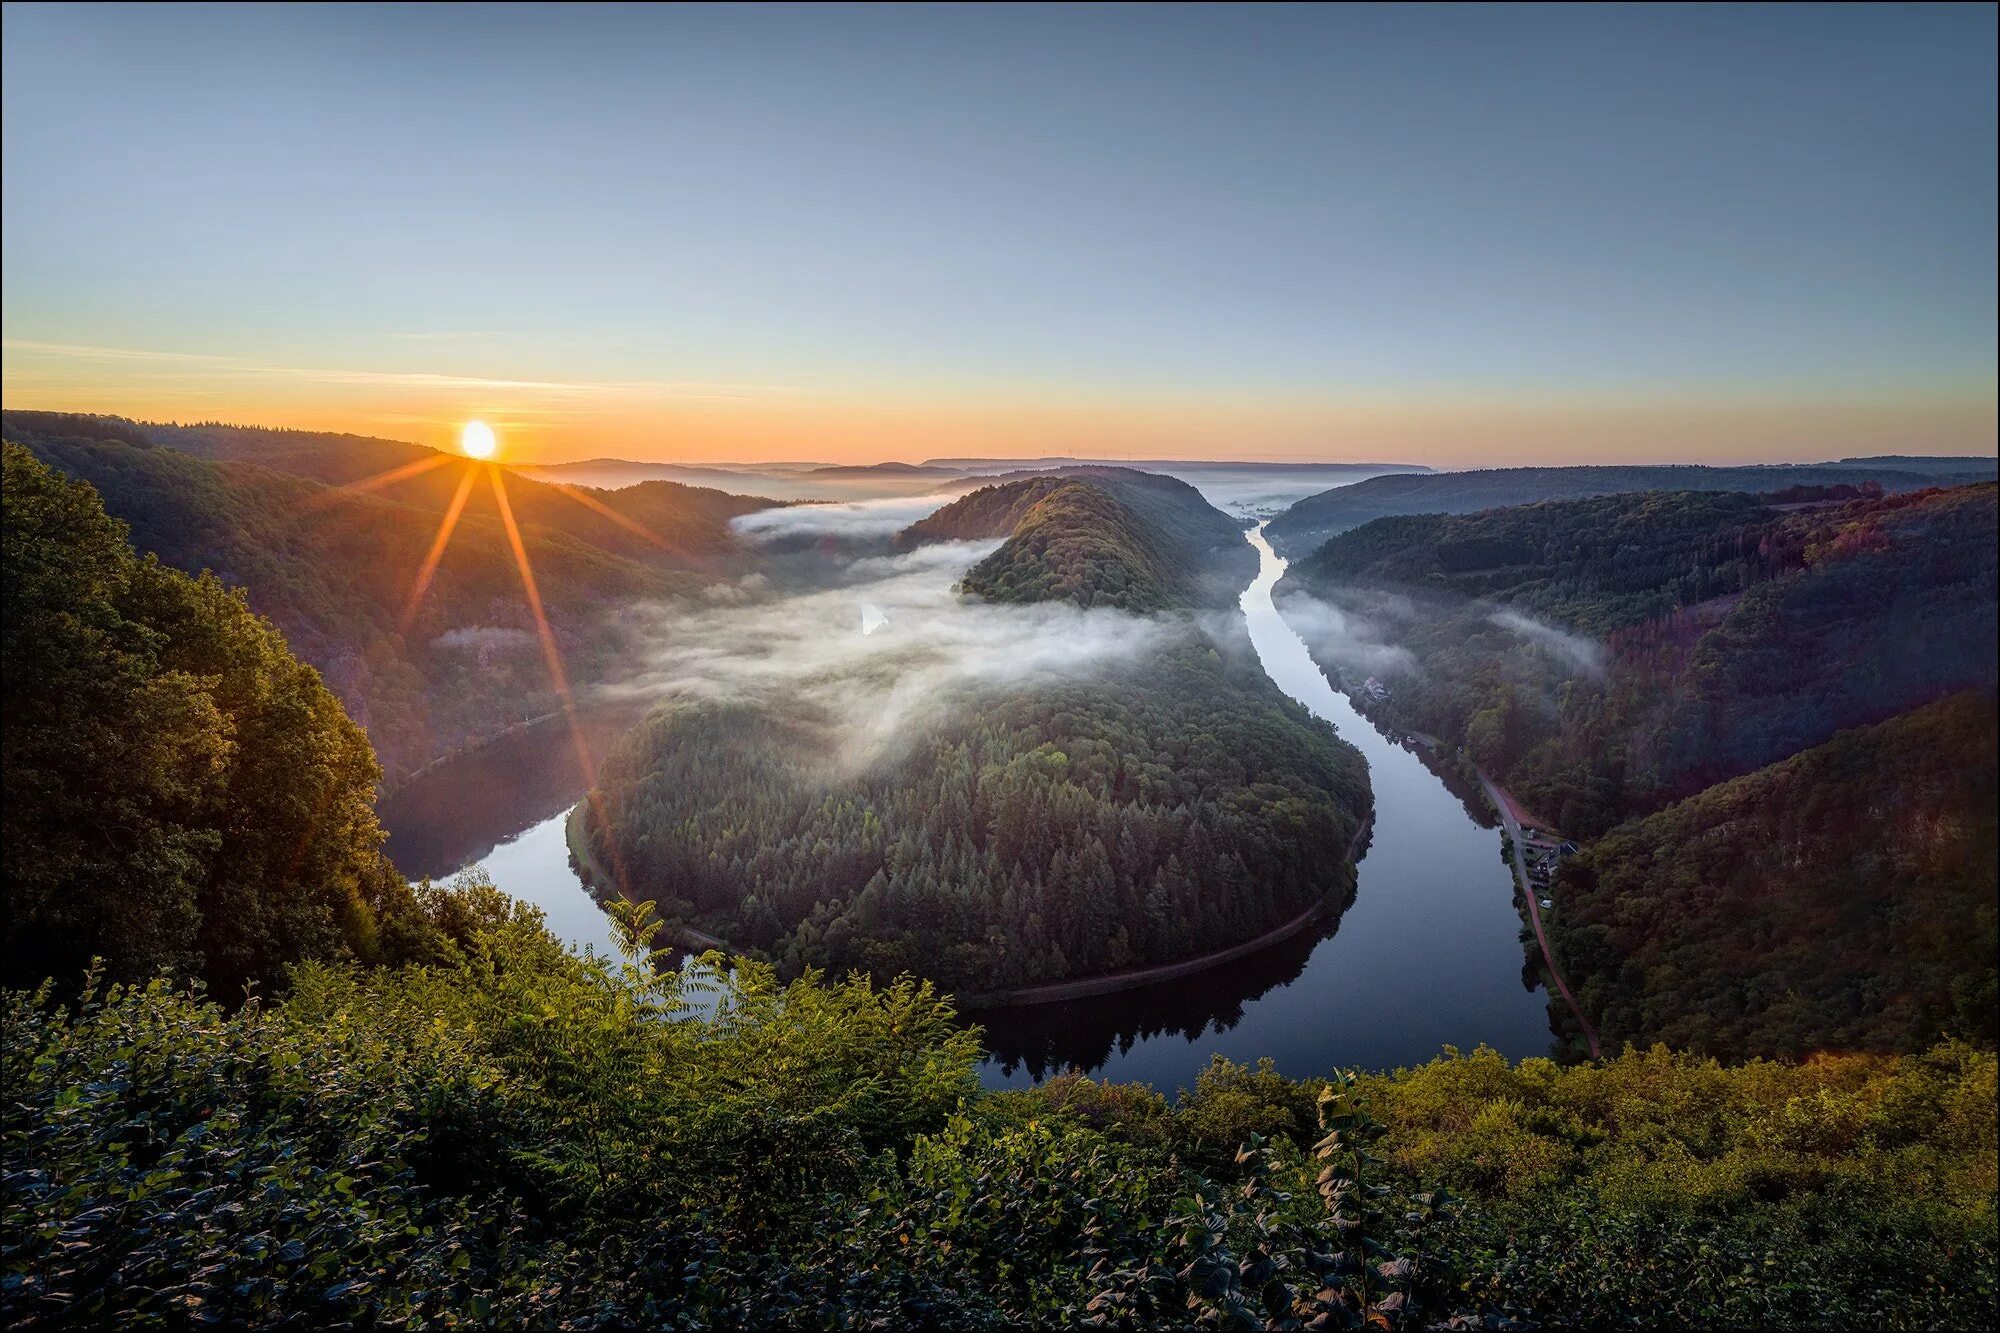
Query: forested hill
1842	898
1155	810
1078	544
1689	658
1670	640
684	527
334	570
1112	537
1300	529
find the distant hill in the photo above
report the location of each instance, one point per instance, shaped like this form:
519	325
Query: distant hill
1841	899
1312	520
333	568
1169	465
885	470
1945	465
814	481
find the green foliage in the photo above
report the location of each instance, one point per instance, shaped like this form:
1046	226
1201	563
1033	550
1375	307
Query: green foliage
1842	898
181	793
519	1136
1078	544
1096	536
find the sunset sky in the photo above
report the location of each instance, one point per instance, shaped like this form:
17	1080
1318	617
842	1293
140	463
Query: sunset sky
1459	237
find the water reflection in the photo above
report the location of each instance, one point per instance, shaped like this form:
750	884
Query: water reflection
502	808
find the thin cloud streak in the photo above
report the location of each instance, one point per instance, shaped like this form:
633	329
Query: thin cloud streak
402	379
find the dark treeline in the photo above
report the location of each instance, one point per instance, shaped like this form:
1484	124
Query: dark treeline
334	569
1300	529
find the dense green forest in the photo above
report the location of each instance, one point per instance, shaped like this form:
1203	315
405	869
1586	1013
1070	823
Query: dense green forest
333	569
1842	898
1299	530
1065	828
1603	657
181	793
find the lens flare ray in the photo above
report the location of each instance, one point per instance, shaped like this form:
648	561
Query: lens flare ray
436	553
378	481
552	656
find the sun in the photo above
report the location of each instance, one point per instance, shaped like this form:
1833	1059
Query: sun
476	439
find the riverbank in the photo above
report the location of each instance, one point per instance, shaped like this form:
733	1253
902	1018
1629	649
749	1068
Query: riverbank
1504	802
1111	983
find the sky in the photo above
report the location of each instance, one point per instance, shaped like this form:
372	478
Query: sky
1448	235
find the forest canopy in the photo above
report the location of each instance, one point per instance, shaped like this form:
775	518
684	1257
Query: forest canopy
1840	899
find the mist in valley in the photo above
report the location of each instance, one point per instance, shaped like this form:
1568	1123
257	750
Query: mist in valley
883	644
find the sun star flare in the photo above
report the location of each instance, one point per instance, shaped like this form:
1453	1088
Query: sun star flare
476	440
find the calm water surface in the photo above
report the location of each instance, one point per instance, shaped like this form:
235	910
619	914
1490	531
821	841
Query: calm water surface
1428	955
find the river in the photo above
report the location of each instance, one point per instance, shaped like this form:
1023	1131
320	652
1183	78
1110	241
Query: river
1429	954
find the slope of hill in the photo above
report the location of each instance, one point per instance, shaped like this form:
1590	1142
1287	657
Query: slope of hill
334	569
990	512
1840	899
1605	656
1301	529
